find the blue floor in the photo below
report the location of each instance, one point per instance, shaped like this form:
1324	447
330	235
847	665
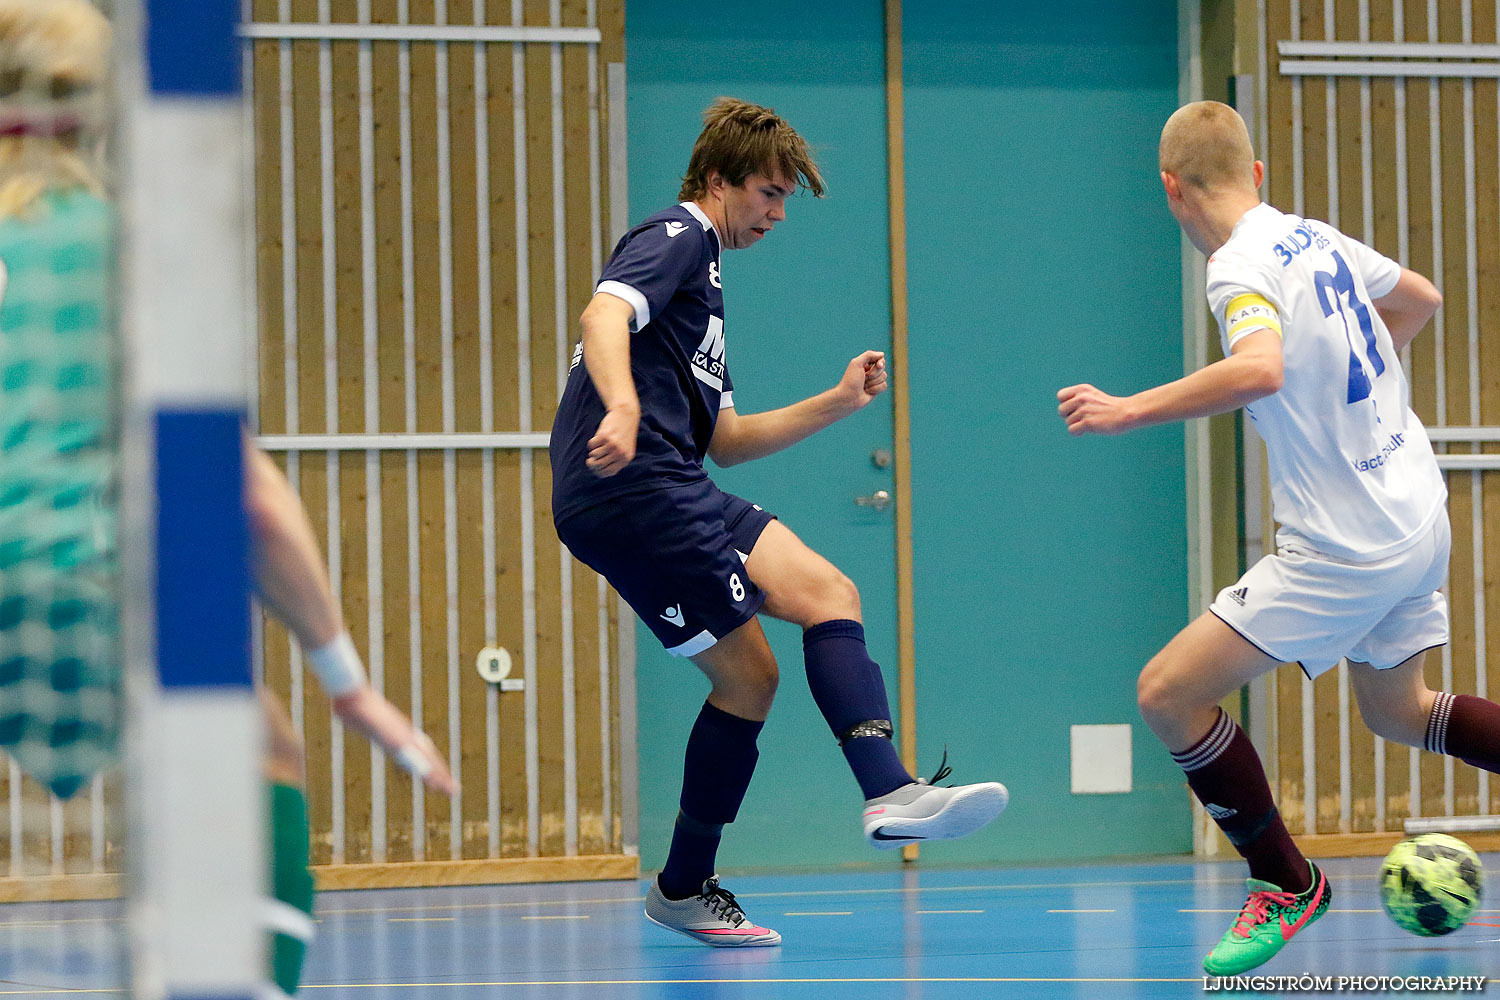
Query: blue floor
1114	931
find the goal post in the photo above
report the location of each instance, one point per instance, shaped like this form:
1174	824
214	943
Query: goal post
196	843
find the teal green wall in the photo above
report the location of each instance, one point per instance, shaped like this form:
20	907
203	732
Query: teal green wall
1048	569
797	307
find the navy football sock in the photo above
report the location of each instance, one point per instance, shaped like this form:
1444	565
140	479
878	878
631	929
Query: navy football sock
849	690
719	761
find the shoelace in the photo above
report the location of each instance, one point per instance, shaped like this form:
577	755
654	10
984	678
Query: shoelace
1258	907
943	769
720	903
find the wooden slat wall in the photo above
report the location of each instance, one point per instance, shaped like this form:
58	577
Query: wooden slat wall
450	489
317	326
41	839
1398	219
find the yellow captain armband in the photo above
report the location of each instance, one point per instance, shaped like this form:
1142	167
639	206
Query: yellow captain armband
1247	313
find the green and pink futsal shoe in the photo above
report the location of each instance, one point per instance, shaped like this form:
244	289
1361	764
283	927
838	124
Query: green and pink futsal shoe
1267	922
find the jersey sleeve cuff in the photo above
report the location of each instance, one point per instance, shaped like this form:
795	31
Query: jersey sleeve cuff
1385	282
726	400
637	301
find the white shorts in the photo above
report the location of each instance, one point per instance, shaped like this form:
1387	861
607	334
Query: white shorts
1304	606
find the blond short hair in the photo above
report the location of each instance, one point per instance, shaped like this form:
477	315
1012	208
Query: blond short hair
739	139
1206	144
54	57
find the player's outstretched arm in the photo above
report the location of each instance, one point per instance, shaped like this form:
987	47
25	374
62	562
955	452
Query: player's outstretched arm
606	355
1252	371
293	584
289	572
1407	307
740	438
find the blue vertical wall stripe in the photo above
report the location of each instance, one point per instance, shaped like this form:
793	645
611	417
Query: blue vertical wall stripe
202	550
191	48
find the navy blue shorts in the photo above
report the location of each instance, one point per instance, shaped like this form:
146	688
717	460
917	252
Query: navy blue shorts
677	556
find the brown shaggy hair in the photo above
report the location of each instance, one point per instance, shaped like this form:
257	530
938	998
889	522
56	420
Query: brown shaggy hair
739	139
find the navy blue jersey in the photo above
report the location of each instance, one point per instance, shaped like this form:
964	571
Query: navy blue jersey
667	268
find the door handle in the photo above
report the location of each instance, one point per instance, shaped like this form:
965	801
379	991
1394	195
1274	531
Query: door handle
879	500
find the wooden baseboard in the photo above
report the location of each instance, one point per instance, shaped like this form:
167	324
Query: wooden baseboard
50	888
1377	845
502	871
400	875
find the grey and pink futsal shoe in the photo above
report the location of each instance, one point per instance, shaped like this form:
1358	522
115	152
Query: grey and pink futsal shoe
711	917
922	811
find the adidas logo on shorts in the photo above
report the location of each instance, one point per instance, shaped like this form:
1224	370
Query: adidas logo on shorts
1238	595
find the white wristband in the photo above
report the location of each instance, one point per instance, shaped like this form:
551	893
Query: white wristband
338	666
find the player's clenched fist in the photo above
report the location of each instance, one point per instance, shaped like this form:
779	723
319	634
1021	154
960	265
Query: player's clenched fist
1088	410
613	445
865	378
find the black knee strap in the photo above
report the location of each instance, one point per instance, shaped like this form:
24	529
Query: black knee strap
1242	833
697	826
871	727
